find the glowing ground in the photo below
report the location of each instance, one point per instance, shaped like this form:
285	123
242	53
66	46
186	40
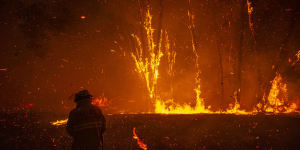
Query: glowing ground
29	130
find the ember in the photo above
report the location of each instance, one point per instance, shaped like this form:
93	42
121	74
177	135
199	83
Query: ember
250	11
59	122
141	144
100	101
3	69
82	17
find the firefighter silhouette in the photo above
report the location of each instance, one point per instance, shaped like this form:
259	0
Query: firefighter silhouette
86	123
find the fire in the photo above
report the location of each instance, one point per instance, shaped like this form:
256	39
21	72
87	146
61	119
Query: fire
235	108
277	100
147	60
100	101
82	17
298	55
148	66
59	122
141	144
3	69
250	11
297	58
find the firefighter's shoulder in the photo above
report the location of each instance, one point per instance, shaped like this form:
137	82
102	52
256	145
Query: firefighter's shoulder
97	109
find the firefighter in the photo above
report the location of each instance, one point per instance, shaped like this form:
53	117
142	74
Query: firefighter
86	123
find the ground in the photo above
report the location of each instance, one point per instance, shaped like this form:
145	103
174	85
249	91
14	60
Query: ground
31	130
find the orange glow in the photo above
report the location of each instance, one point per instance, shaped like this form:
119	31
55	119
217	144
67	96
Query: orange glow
298	55
235	108
169	106
171	54
149	71
296	59
250	11
141	144
3	69
100	101
82	17
59	122
277	101
147	66
147	60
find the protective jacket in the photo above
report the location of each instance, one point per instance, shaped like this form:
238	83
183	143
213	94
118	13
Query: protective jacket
86	124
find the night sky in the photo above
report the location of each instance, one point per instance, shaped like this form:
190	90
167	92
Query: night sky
50	49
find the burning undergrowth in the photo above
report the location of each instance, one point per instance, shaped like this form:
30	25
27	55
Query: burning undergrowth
153	47
164	64
148	59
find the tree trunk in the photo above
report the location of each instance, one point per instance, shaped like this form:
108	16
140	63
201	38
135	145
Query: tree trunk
240	52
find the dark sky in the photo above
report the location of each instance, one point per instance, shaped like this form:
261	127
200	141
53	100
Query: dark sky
48	51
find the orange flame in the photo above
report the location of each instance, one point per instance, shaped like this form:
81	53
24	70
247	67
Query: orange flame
277	101
297	58
82	17
3	69
250	11
141	144
59	122
100	101
169	106
147	67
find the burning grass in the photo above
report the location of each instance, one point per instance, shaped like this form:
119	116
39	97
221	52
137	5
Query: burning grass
147	67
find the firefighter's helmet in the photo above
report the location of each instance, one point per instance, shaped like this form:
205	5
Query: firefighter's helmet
82	95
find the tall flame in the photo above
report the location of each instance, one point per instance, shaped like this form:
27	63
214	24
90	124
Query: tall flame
169	107
100	101
141	144
277	100
250	11
147	66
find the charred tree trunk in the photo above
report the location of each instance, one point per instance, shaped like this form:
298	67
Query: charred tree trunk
282	55
159	37
240	52
192	29
160	21
221	72
141	18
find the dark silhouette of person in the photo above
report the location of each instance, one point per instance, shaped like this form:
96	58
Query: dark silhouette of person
86	123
